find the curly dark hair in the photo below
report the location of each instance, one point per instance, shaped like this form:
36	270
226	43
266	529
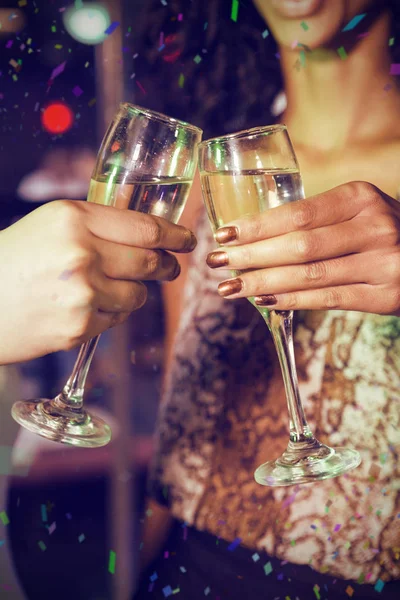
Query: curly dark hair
202	66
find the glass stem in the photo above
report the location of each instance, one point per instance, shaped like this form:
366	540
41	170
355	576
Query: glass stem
72	394
280	324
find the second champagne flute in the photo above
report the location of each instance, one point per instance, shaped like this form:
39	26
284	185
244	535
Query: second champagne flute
146	162
243	174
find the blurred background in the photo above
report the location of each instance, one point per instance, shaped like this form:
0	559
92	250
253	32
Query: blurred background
70	518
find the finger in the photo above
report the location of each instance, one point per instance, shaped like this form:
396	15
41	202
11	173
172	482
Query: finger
278	280
335	206
129	263
119	296
359	297
300	247
133	228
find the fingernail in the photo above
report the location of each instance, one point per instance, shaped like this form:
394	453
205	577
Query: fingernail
177	272
265	300
217	259
227	288
191	243
225	235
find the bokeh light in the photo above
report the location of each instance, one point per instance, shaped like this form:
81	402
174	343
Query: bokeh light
87	24
57	117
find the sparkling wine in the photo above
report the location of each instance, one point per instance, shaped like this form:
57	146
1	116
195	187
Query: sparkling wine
229	195
164	197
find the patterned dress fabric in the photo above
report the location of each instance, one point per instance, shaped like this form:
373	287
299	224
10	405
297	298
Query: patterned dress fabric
225	413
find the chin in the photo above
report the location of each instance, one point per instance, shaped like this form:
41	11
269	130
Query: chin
324	19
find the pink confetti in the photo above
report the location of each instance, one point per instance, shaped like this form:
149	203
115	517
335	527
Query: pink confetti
337	527
140	87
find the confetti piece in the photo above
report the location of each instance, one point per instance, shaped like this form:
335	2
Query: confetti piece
153	577
304	26
4	518
58	70
337	527
182	569
167	591
349	591
140	87
42	546
268	568
22	3
342	52
77	91
81	538
111	28
255	557
52	528
235	10
379	585
395	69
181	81
354	22
69	516
234	544
65	275
111	562
44	513
197	59
207	591
265	33
316	591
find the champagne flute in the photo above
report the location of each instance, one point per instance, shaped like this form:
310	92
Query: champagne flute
146	162
244	174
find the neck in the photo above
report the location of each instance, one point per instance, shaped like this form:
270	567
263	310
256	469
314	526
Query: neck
334	101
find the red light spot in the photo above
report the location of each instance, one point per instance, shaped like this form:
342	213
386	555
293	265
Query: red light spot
57	118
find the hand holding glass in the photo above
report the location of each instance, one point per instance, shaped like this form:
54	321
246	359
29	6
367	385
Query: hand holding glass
146	163
241	175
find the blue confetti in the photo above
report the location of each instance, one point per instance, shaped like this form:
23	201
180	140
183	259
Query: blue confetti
234	544
167	591
153	577
379	585
354	22
111	28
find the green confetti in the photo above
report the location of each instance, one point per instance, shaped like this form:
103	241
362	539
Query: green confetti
268	568
4	518
342	53
391	41
42	546
176	591
111	562
197	59
235	10
302	58
181	82
361	578
304	26
316	591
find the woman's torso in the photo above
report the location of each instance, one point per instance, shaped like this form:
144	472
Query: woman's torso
225	413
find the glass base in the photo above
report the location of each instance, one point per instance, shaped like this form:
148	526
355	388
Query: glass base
305	466
53	420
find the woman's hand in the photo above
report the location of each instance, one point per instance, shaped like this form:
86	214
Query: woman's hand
70	270
337	250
